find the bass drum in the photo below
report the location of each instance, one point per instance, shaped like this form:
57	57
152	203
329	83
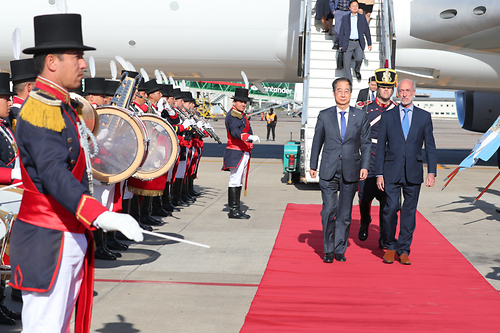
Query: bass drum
123	145
163	147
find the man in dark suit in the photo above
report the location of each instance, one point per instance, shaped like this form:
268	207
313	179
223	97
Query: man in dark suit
370	93
351	39
344	134
399	166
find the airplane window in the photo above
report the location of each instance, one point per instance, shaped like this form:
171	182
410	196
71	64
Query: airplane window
481	10
448	14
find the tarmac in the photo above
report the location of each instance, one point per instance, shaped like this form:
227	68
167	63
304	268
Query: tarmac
167	286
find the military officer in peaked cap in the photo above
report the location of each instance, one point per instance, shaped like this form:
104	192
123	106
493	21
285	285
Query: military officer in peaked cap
240	140
368	190
52	262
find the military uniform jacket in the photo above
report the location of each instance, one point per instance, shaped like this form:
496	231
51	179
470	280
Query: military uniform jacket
238	130
374	110
56	196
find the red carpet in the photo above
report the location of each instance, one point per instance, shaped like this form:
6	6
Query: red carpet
440	292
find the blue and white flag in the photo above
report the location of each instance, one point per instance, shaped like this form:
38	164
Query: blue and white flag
484	147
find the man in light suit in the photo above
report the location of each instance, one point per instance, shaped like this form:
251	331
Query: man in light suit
353	31
344	134
399	166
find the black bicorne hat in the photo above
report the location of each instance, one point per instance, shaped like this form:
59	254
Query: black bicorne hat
152	86
95	86
178	93
5	84
57	32
241	94
111	87
23	70
167	90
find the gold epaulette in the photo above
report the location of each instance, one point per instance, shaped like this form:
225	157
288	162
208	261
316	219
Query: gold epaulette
42	111
236	114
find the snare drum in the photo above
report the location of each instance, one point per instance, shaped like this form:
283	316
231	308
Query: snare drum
10	200
163	147
123	145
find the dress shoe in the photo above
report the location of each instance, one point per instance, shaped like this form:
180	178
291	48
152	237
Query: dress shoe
363	232
340	257
328	258
358	76
116	254
404	259
6	320
335	46
389	256
10	313
103	255
147	220
236	214
16	295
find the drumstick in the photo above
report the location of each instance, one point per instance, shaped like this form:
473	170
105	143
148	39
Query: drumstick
174	238
11	186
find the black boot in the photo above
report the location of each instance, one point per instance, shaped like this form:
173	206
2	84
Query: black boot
101	251
191	190
16	295
185	195
238	203
126	206
176	194
165	200
157	209
135	212
113	243
232	202
382	236
365	220
145	215
4	318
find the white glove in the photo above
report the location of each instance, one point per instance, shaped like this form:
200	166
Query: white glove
15	174
171	112
111	221
207	125
188	122
253	138
199	124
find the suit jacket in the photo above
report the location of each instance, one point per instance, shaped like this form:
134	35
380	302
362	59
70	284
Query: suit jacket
345	32
396	157
363	95
357	140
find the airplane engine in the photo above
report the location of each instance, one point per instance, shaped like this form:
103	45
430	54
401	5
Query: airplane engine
476	110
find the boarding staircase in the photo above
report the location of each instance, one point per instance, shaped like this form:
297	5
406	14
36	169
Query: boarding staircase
318	69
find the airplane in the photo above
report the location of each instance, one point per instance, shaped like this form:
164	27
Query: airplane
446	44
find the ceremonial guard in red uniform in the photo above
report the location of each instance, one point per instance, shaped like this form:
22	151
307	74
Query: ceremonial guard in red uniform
184	135
240	140
23	81
52	262
368	190
173	118
9	172
146	190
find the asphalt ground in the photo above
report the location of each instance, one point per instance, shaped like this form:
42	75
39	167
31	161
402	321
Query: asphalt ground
167	286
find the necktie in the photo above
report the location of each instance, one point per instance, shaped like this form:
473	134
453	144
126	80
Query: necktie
342	124
406	123
373	95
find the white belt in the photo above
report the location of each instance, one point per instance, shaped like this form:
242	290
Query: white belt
374	140
376	120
